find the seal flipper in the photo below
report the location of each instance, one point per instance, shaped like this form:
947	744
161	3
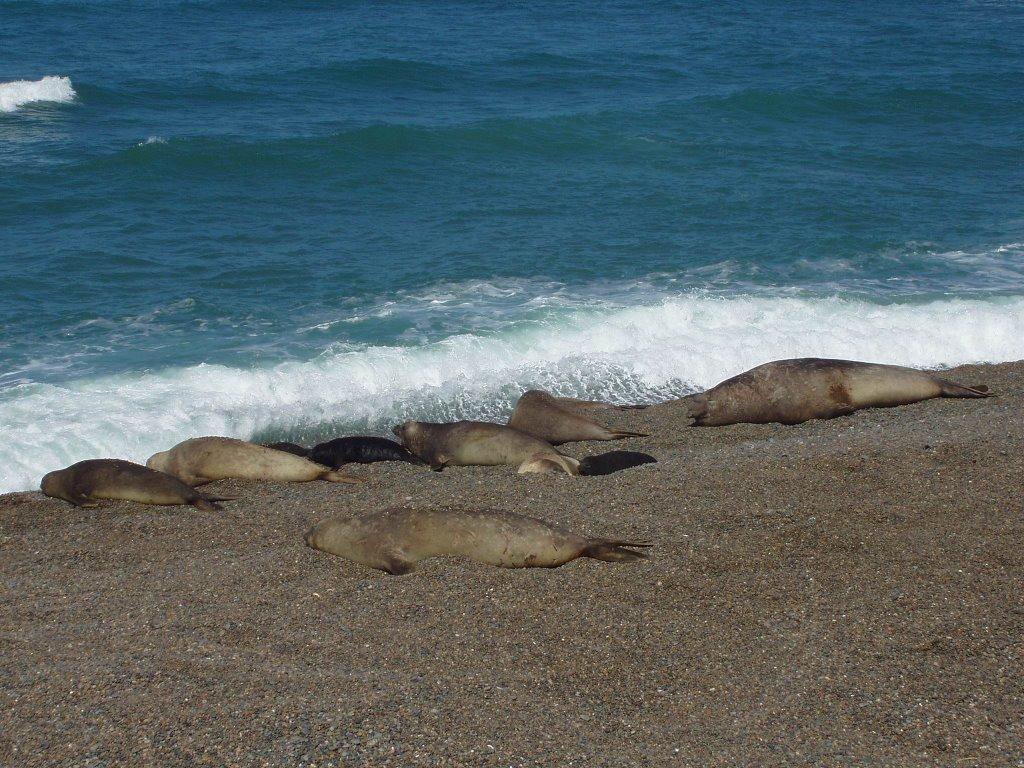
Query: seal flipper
952	389
333	476
395	564
697	408
614	551
618	434
83	501
210	503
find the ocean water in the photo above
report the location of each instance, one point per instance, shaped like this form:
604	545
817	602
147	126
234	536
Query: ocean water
300	219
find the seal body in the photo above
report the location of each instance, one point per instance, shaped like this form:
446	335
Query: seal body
613	461
468	443
292	448
395	540
360	449
558	420
793	391
205	459
85	482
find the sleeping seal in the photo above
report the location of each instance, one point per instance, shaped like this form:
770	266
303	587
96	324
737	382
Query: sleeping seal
205	459
552	419
395	540
361	449
86	481
468	443
793	391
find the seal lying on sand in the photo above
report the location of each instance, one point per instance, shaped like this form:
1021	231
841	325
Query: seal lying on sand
292	448
553	419
205	459
468	443
613	461
793	391
86	481
396	539
360	449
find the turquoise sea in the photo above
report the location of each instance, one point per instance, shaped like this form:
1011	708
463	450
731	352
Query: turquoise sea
302	219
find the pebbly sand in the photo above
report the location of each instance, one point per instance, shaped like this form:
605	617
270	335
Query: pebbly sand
844	592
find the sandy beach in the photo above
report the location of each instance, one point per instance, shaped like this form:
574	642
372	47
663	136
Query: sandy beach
844	592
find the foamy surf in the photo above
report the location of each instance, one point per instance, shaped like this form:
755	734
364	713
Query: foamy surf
626	355
16	94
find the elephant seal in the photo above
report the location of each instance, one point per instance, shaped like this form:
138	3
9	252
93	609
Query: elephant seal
395	540
86	481
360	449
205	459
292	448
613	461
549	418
469	443
793	391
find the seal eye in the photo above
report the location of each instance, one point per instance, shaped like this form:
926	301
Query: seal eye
397	430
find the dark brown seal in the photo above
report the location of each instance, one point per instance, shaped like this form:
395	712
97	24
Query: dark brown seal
85	482
793	391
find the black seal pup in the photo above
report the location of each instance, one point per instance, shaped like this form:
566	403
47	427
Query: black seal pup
359	449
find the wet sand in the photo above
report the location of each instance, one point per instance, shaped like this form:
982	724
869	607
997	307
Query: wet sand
844	592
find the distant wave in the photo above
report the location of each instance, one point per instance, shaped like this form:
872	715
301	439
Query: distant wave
643	353
16	94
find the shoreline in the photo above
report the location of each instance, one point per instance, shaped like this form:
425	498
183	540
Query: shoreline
843	592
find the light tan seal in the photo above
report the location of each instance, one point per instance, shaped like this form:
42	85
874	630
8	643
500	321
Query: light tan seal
793	391
395	540
85	482
556	419
205	459
479	443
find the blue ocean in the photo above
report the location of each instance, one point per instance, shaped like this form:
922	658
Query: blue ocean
292	220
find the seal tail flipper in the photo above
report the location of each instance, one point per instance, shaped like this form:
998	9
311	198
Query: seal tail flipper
614	551
211	503
952	389
619	434
571	465
334	476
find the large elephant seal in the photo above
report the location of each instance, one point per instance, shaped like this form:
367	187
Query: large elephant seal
395	540
85	482
360	449
469	443
552	419
793	391
205	459
613	461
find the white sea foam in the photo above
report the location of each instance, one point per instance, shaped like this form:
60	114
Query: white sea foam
627	354
18	93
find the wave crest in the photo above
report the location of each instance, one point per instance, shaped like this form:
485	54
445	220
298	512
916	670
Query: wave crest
631	354
16	94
